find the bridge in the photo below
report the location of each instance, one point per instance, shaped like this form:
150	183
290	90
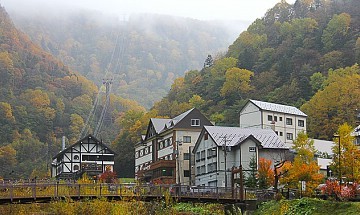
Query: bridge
21	193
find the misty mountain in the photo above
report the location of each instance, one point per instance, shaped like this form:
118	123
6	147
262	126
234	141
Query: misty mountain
42	100
143	53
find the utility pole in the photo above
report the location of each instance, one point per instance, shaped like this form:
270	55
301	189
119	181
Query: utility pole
225	155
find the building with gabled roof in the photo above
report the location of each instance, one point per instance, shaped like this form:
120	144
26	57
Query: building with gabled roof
163	154
286	121
88	155
218	149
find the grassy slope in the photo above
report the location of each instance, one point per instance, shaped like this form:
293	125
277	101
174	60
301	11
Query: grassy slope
308	206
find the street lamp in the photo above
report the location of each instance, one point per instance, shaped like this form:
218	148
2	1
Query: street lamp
338	136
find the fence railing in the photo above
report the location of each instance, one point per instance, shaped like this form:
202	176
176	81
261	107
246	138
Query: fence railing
53	190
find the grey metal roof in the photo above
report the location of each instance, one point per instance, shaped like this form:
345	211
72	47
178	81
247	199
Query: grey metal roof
177	119
163	124
324	146
159	124
278	108
236	135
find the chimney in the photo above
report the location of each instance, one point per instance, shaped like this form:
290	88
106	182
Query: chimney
63	143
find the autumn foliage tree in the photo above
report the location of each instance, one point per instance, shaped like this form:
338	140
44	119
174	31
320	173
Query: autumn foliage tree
349	156
265	173
304	167
335	104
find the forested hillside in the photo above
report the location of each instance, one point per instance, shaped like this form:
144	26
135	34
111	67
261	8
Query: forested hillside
304	54
144	53
40	101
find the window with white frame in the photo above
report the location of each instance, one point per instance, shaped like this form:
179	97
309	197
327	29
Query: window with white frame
186	156
187	139
301	123
195	122
211	152
270	118
289	136
288	121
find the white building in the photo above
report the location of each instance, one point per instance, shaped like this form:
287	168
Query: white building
242	144
87	155
286	121
164	153
356	134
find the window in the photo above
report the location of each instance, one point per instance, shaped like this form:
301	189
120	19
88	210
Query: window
289	136
76	157
186	173
281	133
276	132
288	121
186	139
186	156
195	122
76	167
202	155
252	149
275	118
280	118
206	136
211	167
211	152
136	154
269	117
301	123
198	170
168	142
197	156
203	170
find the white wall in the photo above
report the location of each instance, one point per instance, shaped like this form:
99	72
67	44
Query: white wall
250	116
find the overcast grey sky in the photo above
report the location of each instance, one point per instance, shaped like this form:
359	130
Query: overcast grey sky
197	9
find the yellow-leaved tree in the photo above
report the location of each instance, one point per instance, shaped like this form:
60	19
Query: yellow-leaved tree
349	155
304	167
237	81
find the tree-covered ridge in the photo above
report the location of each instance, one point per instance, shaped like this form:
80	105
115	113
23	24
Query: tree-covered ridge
40	101
284	57
294	55
146	52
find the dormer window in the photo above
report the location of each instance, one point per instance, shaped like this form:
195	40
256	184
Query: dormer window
195	122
